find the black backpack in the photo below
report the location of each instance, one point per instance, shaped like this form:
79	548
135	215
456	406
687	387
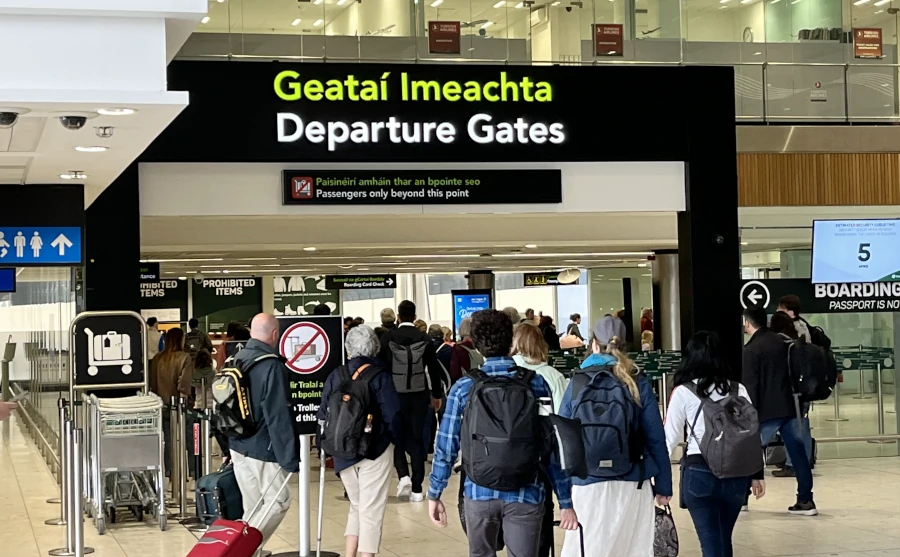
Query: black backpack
349	424
812	376
501	432
233	414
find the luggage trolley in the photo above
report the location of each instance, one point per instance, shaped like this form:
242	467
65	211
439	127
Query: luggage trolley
125	452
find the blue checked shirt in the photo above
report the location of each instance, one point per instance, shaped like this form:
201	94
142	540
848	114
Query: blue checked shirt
447	448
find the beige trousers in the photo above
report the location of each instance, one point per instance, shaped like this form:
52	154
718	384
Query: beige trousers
253	476
367	484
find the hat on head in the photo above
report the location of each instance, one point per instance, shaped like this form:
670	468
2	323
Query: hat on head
605	329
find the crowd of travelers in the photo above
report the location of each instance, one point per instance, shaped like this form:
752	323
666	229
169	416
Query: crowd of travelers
487	405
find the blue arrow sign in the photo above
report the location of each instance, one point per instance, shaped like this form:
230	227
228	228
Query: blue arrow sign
42	245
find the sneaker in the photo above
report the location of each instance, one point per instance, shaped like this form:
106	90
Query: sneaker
806	508
786	472
404	488
416	497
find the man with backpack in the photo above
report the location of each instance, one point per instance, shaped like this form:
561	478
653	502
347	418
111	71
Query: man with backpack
197	339
790	305
266	448
464	356
766	375
492	417
410	356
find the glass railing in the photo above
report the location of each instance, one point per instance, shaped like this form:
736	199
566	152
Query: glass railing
794	60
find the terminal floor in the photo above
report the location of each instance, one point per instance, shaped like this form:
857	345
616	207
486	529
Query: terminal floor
857	498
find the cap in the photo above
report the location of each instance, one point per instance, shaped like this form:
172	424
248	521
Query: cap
605	329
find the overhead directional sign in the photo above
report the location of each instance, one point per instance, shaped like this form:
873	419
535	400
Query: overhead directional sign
755	294
360	282
541	279
43	245
7	280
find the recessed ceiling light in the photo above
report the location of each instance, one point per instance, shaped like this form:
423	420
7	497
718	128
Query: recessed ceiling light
317	2
861	2
436	3
122	111
487	24
520	5
500	4
530	246
309	248
225	271
182	278
74	175
881	2
296	22
317	23
205	19
341	2
641	264
556	3
91	148
220	1
746	1
745	243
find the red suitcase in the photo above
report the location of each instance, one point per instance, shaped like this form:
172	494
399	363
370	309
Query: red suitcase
235	538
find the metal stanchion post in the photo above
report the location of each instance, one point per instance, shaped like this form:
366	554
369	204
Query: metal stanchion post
862	386
664	395
205	430
879	402
65	471
171	449
73	463
837	405
62	406
180	462
76	502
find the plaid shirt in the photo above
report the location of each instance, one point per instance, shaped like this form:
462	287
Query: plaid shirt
447	448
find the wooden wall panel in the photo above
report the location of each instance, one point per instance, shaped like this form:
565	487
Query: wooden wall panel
773	180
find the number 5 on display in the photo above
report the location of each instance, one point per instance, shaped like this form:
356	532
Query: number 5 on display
864	253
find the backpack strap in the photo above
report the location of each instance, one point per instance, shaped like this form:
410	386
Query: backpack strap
579	381
524	374
361	369
477	375
691	386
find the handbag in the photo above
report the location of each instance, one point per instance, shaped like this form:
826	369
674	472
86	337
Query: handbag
665	540
569	342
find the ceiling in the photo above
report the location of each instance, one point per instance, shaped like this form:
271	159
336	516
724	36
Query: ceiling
38	148
449	243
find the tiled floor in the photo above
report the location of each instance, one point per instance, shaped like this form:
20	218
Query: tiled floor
857	498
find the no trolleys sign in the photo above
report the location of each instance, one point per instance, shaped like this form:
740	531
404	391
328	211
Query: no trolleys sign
313	347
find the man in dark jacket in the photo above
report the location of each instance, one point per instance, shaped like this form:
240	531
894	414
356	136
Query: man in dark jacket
418	395
768	382
263	462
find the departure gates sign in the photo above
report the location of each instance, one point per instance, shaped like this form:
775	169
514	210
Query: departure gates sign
428	127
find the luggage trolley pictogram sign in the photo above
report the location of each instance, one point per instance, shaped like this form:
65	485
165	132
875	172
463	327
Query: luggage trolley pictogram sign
306	347
109	351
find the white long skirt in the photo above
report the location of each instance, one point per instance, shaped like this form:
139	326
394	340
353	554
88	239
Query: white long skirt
617	518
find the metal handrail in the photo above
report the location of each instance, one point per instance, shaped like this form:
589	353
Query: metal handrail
24	410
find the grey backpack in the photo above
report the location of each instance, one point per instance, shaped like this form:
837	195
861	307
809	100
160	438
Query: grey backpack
731	444
408	366
476	360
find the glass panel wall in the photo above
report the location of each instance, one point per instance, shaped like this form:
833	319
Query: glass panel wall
793	59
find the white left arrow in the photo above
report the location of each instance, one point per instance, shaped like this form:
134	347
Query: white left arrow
62	243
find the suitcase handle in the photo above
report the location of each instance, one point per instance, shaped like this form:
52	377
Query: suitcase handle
252	514
580	535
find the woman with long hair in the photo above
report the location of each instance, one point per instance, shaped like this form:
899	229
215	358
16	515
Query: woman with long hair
171	372
548	329
713	503
625	447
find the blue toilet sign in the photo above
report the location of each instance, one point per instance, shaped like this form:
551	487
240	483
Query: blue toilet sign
42	245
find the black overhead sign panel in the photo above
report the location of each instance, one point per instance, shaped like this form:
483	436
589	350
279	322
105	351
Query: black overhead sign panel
360	282
425	112
421	187
859	297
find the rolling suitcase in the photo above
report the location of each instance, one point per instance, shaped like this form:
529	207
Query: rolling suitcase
218	496
580	537
235	538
